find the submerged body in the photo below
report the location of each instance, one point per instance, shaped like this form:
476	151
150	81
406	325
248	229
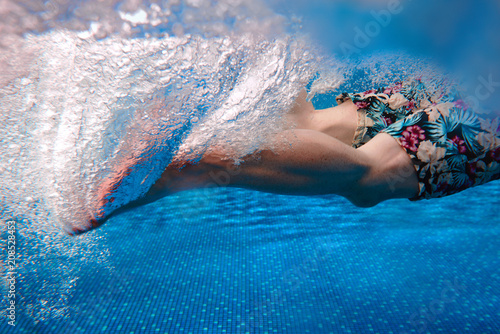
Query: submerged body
397	142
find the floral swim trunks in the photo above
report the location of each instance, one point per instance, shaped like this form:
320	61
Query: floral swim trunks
452	149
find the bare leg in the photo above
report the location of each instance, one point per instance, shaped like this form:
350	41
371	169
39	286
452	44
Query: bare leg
298	162
339	122
314	158
307	162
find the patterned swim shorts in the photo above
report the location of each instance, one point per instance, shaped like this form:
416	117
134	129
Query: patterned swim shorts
452	149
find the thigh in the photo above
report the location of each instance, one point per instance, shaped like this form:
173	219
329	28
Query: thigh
339	122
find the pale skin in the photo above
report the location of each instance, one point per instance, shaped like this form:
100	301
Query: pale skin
313	157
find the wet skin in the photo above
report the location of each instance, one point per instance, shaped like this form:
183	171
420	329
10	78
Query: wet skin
312	156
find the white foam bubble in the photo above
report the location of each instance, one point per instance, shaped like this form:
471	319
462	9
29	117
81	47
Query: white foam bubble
80	107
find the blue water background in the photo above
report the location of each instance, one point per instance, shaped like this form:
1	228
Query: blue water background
248	262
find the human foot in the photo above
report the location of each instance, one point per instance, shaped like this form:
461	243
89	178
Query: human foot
106	195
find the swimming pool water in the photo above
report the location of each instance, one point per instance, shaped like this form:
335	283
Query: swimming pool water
228	260
247	262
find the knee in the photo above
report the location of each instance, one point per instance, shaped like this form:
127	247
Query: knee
367	193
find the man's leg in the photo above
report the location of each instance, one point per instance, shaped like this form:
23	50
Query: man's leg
339	122
300	162
307	162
